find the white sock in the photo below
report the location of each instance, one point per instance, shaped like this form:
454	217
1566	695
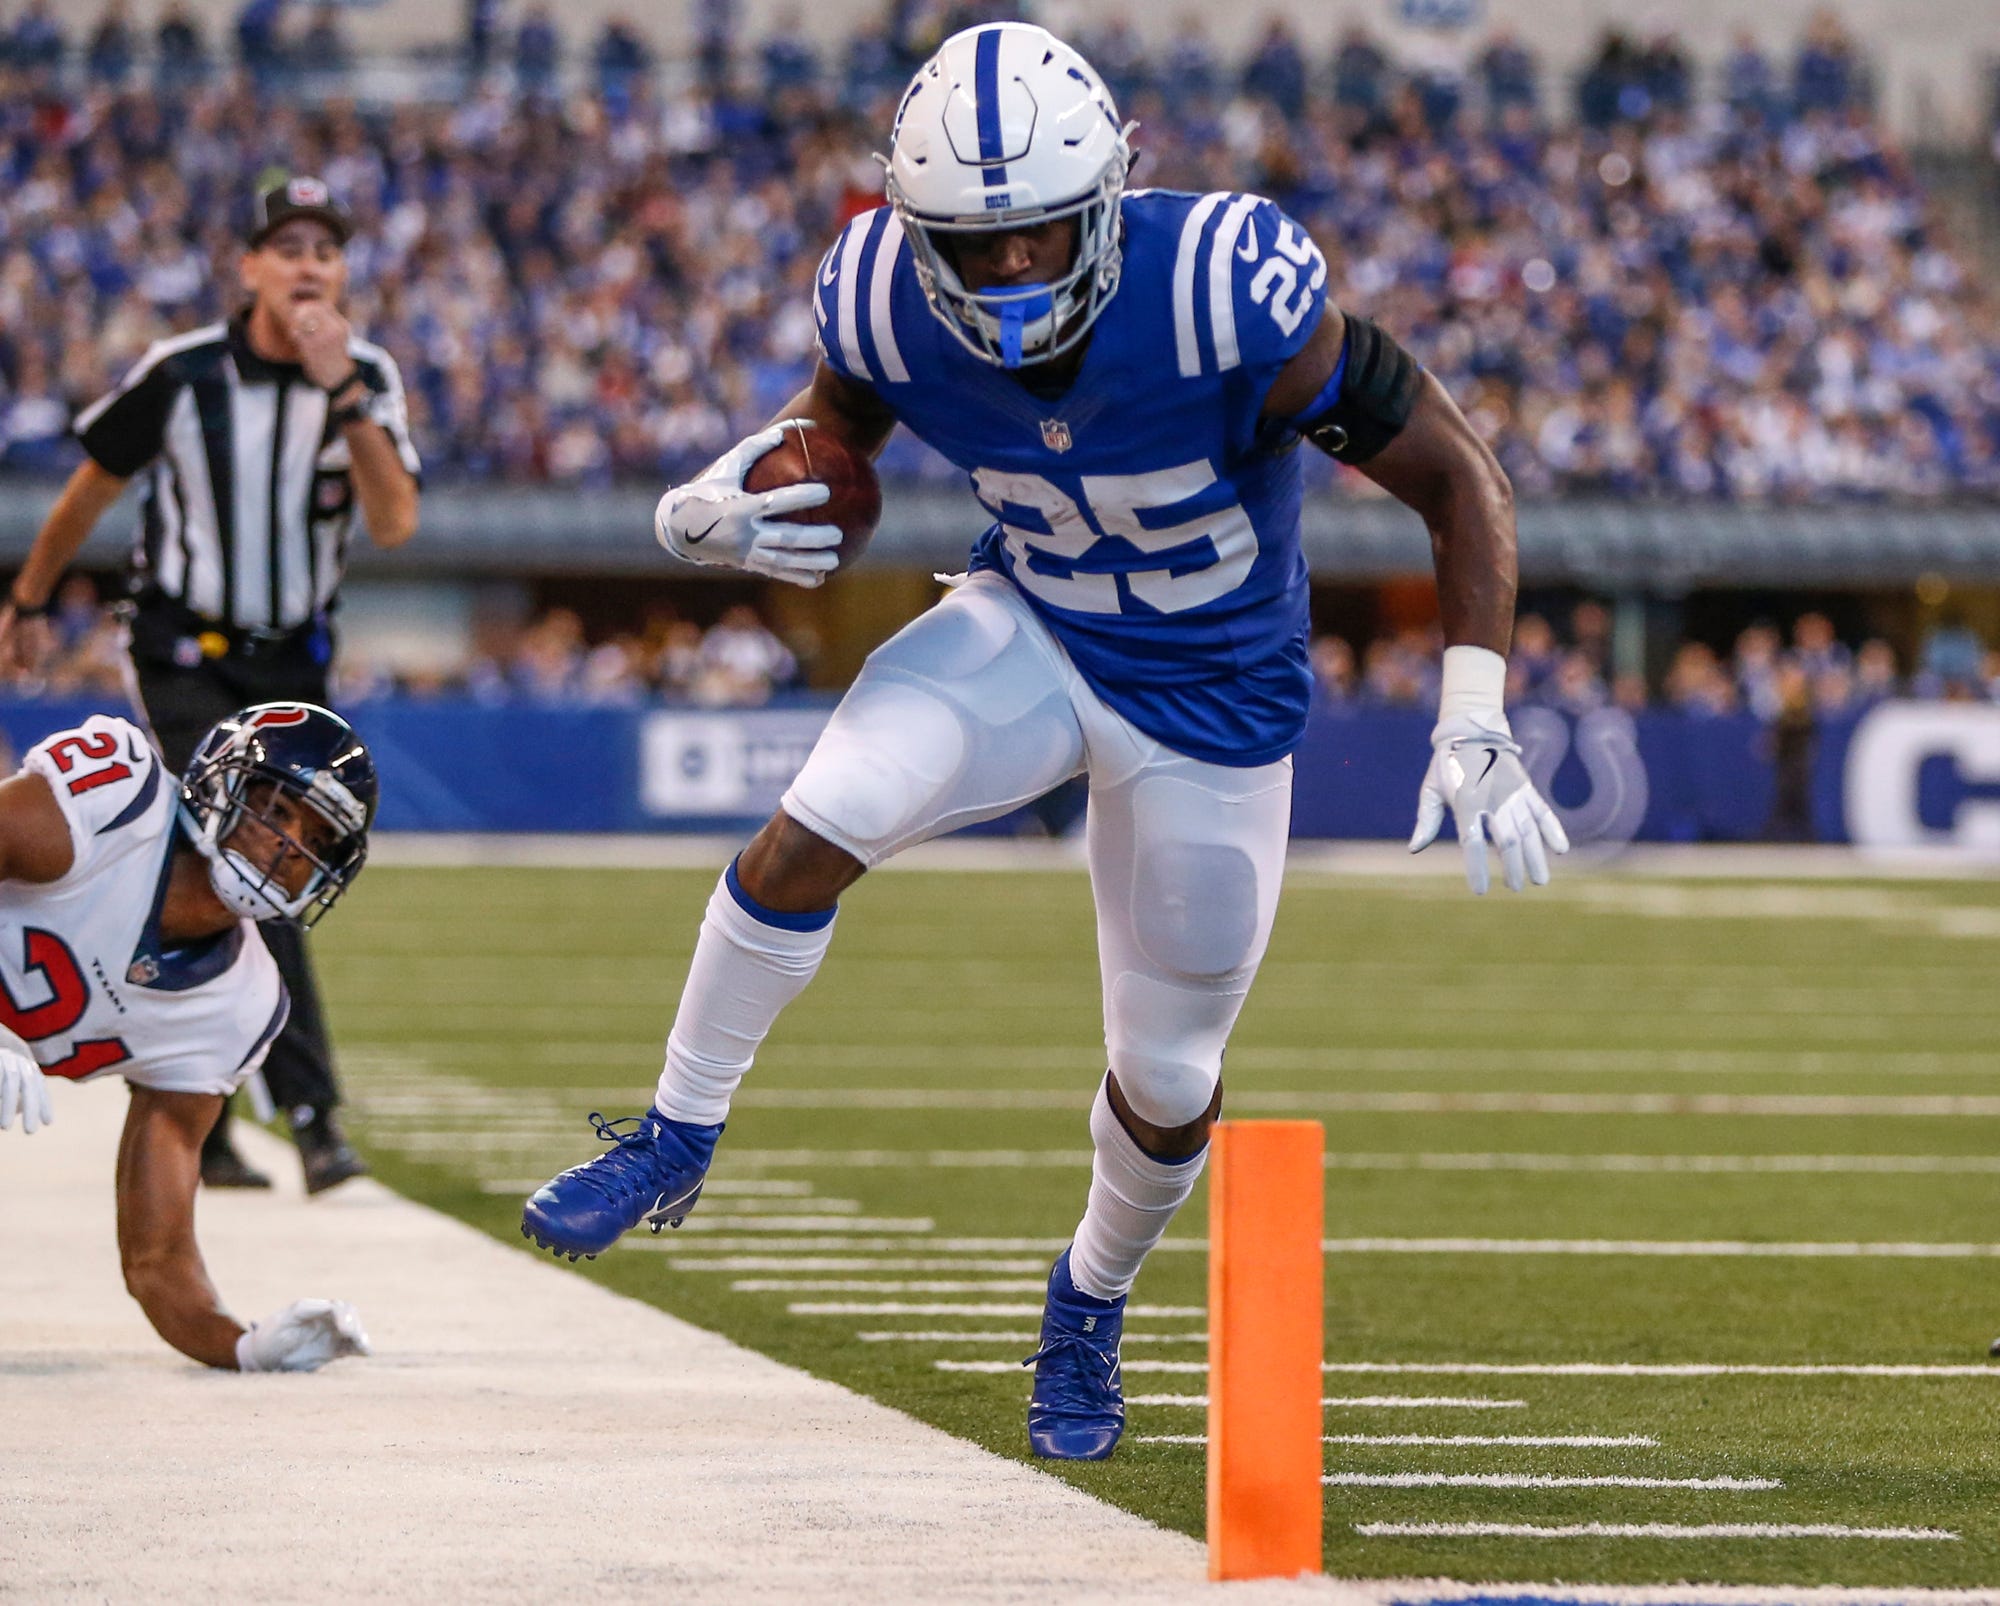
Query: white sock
745	971
1132	1198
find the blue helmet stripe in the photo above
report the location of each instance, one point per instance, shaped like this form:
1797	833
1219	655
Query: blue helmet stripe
986	101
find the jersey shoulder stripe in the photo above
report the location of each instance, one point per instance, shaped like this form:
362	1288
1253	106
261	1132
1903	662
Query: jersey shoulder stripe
149	360
1245	279
854	299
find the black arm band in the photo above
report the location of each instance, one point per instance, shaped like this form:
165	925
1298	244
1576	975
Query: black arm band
1379	386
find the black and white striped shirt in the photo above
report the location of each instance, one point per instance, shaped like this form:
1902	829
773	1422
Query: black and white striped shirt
249	498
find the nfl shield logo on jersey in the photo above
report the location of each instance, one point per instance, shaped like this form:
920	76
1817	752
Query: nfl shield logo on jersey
1055	435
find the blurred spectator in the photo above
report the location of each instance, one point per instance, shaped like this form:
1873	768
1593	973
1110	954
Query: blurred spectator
260	44
1333	669
482	28
1534	658
1507	71
742	662
1360	73
1276	71
1697	682
112	49
1815	648
1756	667
1191	70
1950	664
1791	741
790	59
621	59
537	54
1875	671
1665	74
36	43
1749	83
1825	78
182	53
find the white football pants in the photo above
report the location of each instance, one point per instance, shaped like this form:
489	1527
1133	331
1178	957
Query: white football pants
973	709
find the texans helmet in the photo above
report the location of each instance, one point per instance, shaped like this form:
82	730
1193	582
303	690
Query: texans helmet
311	755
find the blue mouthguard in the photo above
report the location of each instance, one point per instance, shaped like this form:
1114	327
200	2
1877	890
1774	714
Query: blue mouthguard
1014	317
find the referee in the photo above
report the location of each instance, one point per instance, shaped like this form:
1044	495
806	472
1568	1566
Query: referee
259	439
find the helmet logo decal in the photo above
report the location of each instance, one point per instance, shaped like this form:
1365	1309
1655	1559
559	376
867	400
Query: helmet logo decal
279	716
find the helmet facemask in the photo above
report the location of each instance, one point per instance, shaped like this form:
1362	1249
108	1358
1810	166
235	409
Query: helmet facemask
224	793
1014	326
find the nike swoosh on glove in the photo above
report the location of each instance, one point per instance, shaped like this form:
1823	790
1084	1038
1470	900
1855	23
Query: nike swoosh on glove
302	1337
713	520
1476	772
23	1090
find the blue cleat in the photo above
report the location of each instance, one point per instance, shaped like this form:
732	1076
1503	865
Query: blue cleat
653	1172
1077	1410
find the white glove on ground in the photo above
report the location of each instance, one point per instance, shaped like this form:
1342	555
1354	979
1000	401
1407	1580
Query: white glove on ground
302	1337
1476	772
713	520
23	1088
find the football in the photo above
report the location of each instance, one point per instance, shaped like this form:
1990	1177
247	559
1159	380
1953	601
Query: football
812	454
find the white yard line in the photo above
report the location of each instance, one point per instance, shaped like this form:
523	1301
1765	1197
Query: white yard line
903	1307
834	1223
1662	1530
1989	1373
721	1187
1722	1249
824	1263
510	1405
1446	1440
1388	1160
1016	1338
1532	1480
1940	1105
1359	1401
860	1285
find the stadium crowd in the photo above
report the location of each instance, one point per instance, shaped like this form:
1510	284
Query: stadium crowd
592	270
739	661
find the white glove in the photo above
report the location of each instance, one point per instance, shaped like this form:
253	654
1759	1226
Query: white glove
22	1087
1476	772
712	519
302	1337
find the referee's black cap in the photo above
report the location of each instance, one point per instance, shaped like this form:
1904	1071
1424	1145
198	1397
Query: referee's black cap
296	198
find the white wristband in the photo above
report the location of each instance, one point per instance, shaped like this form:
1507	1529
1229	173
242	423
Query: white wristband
1474	684
246	1354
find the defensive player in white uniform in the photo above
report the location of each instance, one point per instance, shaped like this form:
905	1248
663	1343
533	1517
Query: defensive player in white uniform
1126	377
128	946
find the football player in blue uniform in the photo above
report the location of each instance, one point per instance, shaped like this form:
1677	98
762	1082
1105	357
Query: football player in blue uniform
1125	375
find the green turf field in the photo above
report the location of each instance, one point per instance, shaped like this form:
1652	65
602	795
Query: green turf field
1511	1089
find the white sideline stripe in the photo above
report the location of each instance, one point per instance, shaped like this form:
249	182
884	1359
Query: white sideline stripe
1786	1104
903	1307
1662	1530
1713	1249
857	1263
1451	1441
1560	1369
1473	1402
1530	1480
1016	1338
858	1285
1447	1440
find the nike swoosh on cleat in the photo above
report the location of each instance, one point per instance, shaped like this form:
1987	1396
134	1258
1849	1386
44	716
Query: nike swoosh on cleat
696	540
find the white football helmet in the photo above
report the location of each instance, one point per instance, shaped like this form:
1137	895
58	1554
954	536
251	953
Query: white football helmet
1007	127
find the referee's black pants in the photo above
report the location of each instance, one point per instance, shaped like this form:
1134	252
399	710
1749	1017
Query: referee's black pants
182	705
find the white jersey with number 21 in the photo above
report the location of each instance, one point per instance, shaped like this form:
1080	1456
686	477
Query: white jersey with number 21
84	977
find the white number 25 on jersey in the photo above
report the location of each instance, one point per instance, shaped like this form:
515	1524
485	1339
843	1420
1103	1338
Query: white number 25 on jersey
1117	501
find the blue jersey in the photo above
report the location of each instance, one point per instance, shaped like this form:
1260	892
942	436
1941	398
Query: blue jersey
1149	514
